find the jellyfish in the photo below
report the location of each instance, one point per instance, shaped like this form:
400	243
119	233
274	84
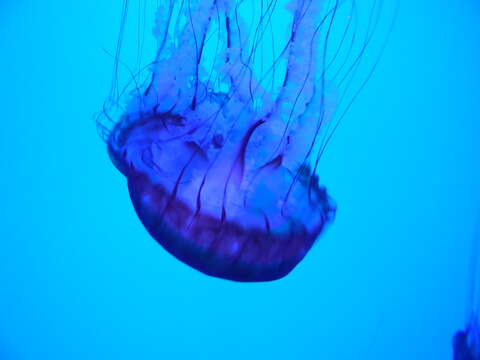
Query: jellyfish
220	135
466	342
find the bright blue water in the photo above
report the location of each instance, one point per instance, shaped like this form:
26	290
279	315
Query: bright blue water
81	279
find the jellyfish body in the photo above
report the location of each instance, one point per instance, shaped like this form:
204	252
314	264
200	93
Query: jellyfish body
466	342
221	158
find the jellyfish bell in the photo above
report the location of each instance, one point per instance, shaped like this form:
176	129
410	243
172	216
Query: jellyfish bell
220	142
466	342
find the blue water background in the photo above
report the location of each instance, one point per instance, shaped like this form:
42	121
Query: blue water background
81	279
